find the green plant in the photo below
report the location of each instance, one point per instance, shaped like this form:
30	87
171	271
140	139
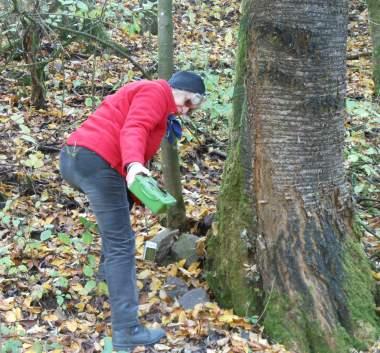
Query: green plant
362	155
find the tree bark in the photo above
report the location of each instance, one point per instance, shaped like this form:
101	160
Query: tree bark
284	211
374	21
169	152
31	49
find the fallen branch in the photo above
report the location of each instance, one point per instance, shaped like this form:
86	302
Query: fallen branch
111	45
359	55
218	153
48	148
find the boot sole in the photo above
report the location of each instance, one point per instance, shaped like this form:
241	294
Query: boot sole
133	345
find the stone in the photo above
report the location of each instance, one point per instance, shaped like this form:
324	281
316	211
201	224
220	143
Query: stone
193	297
185	248
175	287
164	240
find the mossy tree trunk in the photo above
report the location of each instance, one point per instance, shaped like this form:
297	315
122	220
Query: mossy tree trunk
284	213
169	152
374	18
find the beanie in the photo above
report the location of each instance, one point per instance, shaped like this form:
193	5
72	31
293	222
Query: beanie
187	81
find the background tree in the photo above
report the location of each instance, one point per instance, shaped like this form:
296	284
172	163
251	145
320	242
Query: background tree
170	161
49	26
284	213
374	20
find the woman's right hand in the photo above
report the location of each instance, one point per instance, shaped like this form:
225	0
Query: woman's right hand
133	169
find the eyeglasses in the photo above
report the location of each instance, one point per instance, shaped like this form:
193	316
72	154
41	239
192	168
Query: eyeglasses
195	101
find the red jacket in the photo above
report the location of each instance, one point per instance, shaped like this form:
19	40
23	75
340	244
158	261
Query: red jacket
128	126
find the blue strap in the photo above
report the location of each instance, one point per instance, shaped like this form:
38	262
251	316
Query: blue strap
174	129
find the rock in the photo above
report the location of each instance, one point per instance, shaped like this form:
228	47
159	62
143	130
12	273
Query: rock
164	240
185	248
175	287
194	297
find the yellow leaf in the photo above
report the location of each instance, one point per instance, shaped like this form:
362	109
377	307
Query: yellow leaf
156	284
181	263
49	219
193	267
173	270
58	262
182	317
46	286
28	301
144	274
71	325
77	287
50	317
80	307
227	317
10	316
154	300
6	304
18	314
376	275
200	247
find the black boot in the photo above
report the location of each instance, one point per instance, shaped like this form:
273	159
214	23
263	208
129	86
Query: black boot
136	336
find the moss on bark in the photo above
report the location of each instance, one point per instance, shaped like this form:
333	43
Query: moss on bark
296	329
230	246
228	249
360	288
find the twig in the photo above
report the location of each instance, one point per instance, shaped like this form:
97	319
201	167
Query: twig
93	82
373	200
359	55
218	153
370	231
267	303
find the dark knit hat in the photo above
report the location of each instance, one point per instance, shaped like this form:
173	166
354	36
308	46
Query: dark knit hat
187	81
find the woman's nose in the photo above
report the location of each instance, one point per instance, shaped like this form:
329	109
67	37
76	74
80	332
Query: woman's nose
185	109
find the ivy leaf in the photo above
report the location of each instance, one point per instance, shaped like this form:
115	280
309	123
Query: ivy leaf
88	271
87	238
46	234
82	6
64	238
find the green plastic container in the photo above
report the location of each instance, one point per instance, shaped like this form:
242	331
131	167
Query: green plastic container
147	190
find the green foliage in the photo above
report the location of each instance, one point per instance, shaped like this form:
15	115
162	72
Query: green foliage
218	105
362	155
11	346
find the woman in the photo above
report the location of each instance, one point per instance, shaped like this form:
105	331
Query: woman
102	157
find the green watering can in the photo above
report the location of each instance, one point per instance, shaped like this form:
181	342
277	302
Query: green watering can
147	190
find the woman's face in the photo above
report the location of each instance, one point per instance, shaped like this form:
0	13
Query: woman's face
186	101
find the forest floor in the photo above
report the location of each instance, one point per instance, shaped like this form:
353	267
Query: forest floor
49	248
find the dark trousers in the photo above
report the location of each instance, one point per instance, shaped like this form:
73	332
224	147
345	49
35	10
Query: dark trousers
107	193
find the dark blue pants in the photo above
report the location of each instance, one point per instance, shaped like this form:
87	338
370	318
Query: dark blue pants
107	193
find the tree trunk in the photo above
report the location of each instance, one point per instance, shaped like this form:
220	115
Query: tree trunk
374	18
32	34
170	161
284	210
